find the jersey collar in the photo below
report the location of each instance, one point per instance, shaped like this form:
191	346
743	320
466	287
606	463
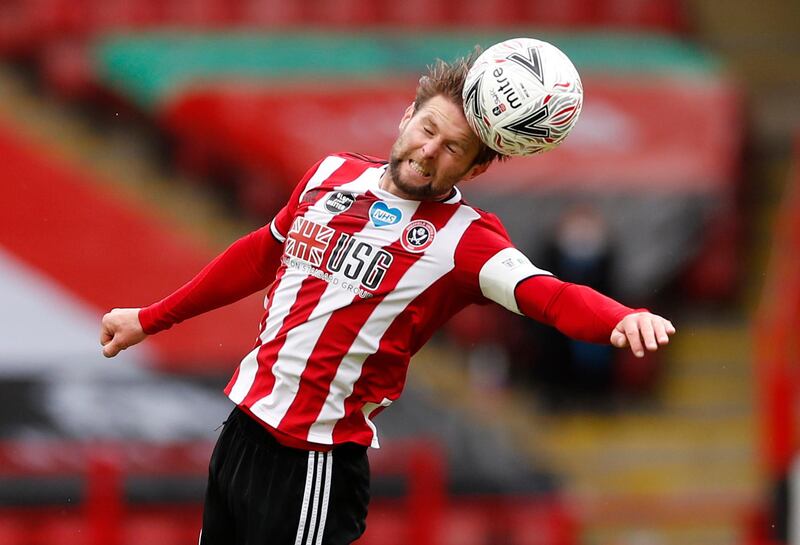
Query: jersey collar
452	198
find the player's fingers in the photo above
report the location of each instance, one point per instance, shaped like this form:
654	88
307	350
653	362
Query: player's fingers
113	348
105	336
634	338
647	333
661	329
619	339
106	331
110	350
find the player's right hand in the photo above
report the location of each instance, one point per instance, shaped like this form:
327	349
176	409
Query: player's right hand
119	330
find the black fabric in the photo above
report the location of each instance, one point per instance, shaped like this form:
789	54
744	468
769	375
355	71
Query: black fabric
256	489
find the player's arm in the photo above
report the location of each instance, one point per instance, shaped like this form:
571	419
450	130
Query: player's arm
246	267
506	276
585	314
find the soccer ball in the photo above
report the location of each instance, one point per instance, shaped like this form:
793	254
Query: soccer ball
522	96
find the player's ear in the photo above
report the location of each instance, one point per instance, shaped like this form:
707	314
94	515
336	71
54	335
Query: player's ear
409	113
476	170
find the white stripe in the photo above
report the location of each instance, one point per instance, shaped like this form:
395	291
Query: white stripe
246	376
328	166
301	526
325	495
277	314
437	261
288	287
367	410
200	537
301	340
312	522
286	292
368	180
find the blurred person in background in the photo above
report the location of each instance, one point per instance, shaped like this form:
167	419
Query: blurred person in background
571	371
363	264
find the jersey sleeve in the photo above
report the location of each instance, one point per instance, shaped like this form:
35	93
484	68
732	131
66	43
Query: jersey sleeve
244	268
247	266
575	310
489	266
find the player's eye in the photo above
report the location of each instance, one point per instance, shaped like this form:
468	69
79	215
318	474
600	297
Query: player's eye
428	130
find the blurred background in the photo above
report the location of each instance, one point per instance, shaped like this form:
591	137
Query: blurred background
138	138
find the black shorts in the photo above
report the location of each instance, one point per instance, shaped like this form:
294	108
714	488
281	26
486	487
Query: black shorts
261	492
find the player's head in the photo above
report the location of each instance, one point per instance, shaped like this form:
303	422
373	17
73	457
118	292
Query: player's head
436	147
447	80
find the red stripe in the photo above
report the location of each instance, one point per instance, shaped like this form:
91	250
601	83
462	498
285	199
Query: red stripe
307	296
342	329
232	381
383	374
323	361
567	119
258	342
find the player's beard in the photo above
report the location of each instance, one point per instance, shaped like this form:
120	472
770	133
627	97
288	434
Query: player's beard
422	192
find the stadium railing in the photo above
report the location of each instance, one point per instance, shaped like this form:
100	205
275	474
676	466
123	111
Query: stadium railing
117	493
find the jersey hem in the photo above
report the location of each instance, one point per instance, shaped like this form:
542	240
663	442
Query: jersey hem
288	440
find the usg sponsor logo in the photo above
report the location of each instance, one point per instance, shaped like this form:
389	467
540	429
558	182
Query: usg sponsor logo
381	214
359	261
418	235
339	202
351	264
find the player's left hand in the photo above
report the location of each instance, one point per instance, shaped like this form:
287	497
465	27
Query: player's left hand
120	329
641	330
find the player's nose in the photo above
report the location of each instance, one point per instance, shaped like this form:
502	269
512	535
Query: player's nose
431	148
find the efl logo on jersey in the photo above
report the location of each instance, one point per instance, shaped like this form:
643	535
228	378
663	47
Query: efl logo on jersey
307	241
381	214
512	263
339	202
418	235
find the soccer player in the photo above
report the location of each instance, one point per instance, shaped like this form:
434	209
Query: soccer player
363	264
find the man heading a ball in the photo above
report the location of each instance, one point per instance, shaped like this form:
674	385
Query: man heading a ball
363	264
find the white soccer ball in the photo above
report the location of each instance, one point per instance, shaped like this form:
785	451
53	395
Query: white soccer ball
522	96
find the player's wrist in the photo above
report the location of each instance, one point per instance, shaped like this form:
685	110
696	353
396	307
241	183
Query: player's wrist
150	320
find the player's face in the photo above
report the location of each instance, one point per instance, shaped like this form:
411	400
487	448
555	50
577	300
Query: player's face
434	151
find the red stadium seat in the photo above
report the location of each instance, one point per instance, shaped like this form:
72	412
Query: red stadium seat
29	25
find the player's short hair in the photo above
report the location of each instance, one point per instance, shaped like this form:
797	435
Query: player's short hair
447	79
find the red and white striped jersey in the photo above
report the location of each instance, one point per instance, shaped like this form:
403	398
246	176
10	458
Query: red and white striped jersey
365	279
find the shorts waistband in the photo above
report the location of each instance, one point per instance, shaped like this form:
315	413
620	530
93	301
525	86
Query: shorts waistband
259	433
252	429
